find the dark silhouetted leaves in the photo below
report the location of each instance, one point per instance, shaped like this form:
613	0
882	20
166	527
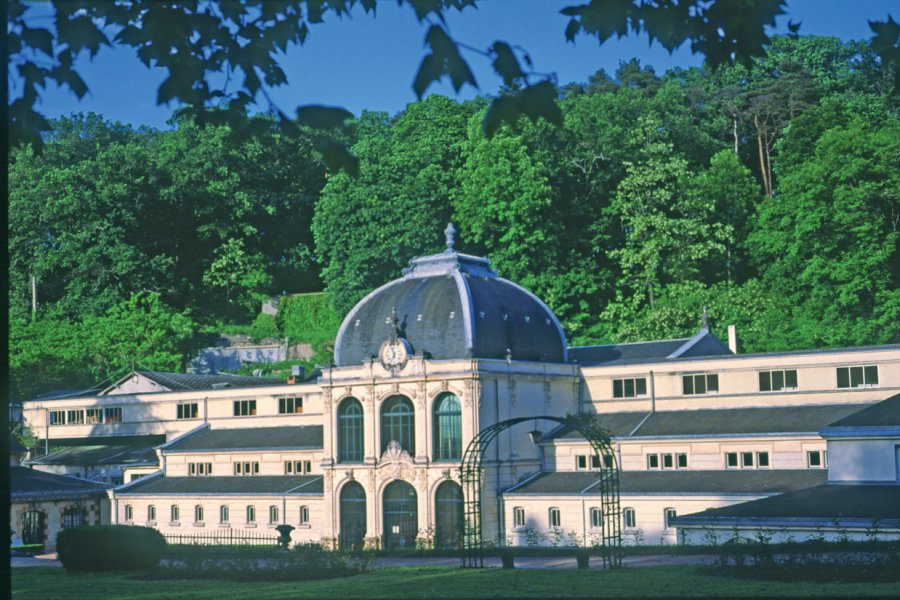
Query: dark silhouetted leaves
322	117
444	59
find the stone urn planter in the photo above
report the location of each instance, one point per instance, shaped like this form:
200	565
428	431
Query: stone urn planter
284	538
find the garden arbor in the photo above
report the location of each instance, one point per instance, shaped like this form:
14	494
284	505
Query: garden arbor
473	478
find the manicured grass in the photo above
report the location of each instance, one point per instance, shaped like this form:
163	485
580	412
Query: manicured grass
432	582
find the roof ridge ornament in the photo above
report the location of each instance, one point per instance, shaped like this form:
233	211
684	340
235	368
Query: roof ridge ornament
450	234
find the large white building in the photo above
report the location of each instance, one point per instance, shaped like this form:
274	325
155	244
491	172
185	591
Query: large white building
369	451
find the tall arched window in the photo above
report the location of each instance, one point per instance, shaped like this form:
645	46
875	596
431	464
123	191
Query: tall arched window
350	431
353	516
398	423
448	512
447	427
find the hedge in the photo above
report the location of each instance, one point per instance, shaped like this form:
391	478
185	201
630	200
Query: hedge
109	548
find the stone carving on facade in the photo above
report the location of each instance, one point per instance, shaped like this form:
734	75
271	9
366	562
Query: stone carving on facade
395	388
398	460
468	392
326	398
370	481
328	481
445	385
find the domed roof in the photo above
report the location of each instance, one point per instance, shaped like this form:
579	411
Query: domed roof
452	305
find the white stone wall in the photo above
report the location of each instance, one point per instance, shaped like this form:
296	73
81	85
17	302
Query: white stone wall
270	463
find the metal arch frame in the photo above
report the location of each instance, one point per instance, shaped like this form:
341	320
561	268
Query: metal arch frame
472	477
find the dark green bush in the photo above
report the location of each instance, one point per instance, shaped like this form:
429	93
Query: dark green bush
109	548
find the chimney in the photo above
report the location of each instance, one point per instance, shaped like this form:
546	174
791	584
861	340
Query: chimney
732	339
298	372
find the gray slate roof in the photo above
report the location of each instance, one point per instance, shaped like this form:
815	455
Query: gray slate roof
822	502
882	414
27	484
738	481
263	485
178	382
725	421
302	437
453	305
122	454
702	344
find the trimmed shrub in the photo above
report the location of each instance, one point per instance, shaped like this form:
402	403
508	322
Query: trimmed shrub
109	548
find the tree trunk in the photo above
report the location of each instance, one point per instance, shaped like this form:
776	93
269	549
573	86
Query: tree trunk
763	167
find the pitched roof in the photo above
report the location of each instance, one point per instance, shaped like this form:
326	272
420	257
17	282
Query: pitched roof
689	482
261	485
26	484
882	414
702	344
251	438
823	503
723	421
179	382
100	454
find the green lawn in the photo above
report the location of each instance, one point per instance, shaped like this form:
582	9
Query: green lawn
431	582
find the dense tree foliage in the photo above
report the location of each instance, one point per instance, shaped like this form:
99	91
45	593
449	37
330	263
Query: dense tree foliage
769	195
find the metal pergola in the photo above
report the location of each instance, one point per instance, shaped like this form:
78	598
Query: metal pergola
472	476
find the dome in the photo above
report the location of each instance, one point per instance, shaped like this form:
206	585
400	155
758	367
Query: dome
452	305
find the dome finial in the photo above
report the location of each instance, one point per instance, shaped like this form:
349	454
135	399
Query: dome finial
450	233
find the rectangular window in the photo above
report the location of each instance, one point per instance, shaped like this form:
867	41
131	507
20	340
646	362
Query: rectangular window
746	459
775	381
762	459
554	517
129	512
112	415
731	459
596	518
290	406
668	461
668	515
306	466
244	408
518	516
854	377
75	417
814	459
629	388
288	467
223	514
151	513
653	461
628	518
246	468
681	461
581	462
607	461
251	514
198	513
595	461
93	416
304	515
273	515
57	417
188	410
174	514
704	383
199	469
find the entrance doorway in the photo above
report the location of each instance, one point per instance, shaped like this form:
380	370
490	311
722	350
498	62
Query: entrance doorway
401	518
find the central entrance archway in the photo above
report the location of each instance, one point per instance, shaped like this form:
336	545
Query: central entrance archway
473	478
401	516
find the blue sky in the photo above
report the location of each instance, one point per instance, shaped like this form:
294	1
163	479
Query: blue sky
368	63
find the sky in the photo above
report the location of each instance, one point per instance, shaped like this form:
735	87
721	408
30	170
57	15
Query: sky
368	63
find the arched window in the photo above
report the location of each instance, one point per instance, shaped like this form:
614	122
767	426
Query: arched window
448	511
174	513
273	515
251	514
353	516
350	431
198	513
401	516
151	513
223	513
447	428
73	516
398	423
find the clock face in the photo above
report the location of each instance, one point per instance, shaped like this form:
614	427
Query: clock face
394	354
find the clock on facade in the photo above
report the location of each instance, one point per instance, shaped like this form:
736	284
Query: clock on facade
394	353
